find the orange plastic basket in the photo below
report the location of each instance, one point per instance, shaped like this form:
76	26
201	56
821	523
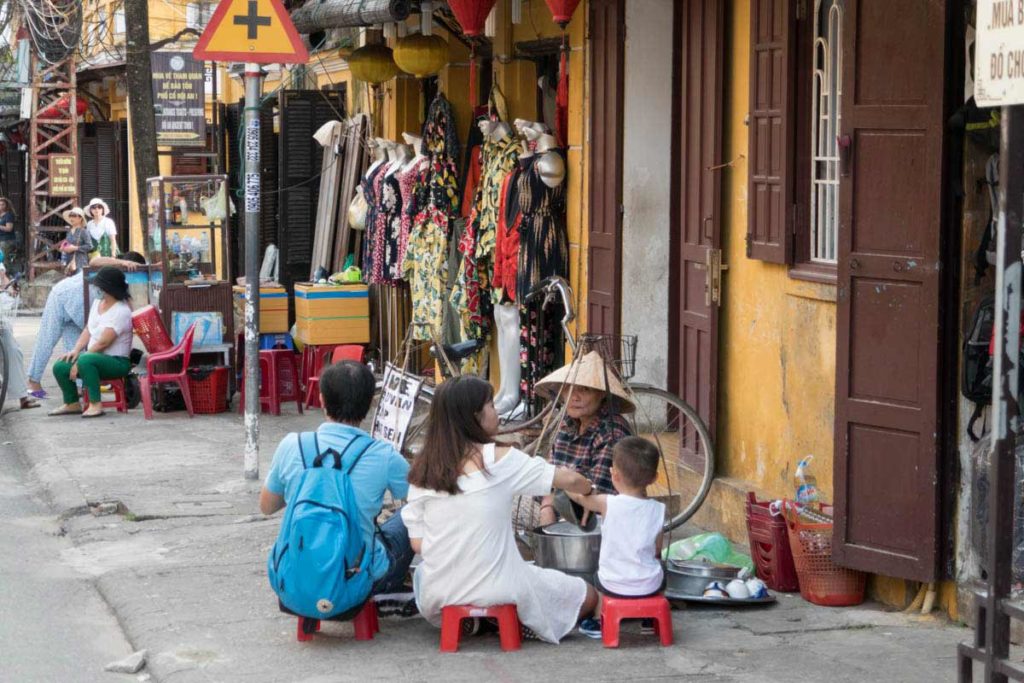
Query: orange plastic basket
822	581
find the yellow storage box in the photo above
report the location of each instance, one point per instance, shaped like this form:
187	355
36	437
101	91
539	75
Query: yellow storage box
330	314
273	309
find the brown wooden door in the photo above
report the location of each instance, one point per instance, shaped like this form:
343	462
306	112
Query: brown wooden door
887	386
696	200
604	248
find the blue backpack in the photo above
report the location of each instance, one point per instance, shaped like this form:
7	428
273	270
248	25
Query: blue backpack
319	566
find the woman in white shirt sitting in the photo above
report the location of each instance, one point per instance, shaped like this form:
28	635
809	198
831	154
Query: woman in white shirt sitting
459	517
102	351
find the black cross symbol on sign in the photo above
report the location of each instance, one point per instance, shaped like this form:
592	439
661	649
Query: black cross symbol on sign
252	20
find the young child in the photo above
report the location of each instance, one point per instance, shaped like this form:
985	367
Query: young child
629	564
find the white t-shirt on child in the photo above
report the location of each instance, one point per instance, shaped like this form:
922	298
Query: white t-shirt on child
628	564
118	318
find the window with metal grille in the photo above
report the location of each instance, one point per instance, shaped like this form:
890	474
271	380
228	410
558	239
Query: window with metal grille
826	101
198	14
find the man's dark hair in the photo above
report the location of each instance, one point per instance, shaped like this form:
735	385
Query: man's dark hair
347	388
134	257
636	460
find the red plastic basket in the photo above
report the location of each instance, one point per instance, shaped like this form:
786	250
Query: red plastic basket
209	389
822	581
769	546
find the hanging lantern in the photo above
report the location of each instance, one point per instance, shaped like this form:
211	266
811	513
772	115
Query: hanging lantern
420	55
373	64
472	14
561	10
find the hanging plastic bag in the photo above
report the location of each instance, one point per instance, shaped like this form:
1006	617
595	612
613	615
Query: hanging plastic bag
357	211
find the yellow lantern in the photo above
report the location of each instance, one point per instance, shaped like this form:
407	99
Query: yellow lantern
373	64
420	55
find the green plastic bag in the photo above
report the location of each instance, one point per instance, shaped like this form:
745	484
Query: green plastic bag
711	546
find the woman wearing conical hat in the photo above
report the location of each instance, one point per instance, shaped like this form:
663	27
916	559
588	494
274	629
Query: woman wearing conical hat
593	423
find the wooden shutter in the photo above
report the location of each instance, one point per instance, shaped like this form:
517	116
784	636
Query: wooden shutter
770	193
302	112
268	177
888	371
87	156
14	178
607	30
232	120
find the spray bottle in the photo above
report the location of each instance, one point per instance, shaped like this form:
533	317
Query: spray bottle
806	484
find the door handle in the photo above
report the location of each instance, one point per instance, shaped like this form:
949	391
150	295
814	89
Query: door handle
712	268
845	144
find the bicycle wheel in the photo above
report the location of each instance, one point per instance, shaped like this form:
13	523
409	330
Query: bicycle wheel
3	372
687	456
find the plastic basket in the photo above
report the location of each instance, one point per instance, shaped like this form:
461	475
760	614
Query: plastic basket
8	310
209	389
822	581
769	546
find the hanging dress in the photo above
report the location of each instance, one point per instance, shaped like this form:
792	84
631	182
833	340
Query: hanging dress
543	237
407	181
371	188
506	247
389	227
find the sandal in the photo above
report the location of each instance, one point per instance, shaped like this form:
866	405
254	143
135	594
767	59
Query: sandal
87	416
28	403
64	411
41	394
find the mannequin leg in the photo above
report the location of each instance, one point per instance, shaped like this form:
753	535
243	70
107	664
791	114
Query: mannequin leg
506	322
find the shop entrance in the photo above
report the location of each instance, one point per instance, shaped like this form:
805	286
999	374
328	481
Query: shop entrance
696	217
890	164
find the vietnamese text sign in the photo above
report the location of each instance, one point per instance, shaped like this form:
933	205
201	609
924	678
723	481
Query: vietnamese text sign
999	53
63	182
395	408
179	98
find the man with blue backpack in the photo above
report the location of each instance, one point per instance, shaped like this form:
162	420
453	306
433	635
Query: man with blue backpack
331	556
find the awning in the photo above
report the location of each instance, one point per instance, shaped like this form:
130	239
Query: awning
317	15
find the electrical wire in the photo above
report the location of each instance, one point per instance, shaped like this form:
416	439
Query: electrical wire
55	27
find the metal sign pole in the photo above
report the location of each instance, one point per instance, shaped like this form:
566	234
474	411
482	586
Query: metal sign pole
253	74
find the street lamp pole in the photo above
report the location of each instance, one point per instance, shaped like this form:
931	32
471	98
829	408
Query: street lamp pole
253	74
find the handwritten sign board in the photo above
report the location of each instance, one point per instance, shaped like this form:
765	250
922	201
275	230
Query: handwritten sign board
179	99
396	405
63	179
999	53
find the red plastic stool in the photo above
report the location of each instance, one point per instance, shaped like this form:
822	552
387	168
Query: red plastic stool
365	624
120	401
279	381
508	625
614	610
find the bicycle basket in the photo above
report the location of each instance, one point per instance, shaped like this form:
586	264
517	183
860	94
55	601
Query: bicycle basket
618	350
8	310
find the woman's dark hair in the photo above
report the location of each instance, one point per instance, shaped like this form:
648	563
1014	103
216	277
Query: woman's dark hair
347	388
453	431
8	206
134	257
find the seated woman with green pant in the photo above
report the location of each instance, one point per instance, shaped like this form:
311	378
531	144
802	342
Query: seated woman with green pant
106	342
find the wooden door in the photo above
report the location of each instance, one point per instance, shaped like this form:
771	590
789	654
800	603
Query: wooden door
890	224
604	246
696	201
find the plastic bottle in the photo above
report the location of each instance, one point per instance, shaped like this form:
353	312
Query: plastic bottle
204	246
175	243
806	483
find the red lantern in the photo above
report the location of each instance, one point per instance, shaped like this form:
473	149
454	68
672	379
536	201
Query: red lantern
472	14
561	10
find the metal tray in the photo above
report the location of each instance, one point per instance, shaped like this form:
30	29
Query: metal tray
726	602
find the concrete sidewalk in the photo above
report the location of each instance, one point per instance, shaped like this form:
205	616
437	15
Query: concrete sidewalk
182	563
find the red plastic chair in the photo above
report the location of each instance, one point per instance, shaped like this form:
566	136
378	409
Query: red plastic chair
614	610
365	624
338	353
150	329
279	381
152	378
508	625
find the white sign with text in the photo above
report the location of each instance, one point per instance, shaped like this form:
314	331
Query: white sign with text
999	53
396	405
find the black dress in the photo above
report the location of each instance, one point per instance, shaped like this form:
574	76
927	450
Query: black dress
543	237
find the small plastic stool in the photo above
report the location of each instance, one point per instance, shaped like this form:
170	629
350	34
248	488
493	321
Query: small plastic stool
614	610
365	624
279	381
508	625
120	400
335	352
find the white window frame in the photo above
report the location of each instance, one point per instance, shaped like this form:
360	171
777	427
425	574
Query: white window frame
826	117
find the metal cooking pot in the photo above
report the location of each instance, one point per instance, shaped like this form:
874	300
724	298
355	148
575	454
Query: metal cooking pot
692	577
572	553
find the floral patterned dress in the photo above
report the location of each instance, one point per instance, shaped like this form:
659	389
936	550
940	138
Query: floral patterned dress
408	178
371	189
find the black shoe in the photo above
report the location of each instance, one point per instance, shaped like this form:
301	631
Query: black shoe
527	633
647	627
396	605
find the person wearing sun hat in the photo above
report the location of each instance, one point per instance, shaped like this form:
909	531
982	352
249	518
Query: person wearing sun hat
102	351
102	229
593	424
77	244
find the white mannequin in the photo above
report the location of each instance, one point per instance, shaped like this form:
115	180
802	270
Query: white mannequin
506	323
380	154
550	165
401	156
416	142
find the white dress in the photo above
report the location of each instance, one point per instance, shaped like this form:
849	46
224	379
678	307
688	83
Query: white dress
469	551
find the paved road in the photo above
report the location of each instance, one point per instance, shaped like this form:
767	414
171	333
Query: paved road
55	625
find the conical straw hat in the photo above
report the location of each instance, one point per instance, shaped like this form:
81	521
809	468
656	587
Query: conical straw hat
591	372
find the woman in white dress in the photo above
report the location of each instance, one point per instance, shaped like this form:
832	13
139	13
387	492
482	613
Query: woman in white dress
459	517
102	229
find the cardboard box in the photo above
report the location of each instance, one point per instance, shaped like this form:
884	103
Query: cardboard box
329	314
273	309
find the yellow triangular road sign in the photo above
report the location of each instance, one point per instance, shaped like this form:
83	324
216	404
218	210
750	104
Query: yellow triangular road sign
259	31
